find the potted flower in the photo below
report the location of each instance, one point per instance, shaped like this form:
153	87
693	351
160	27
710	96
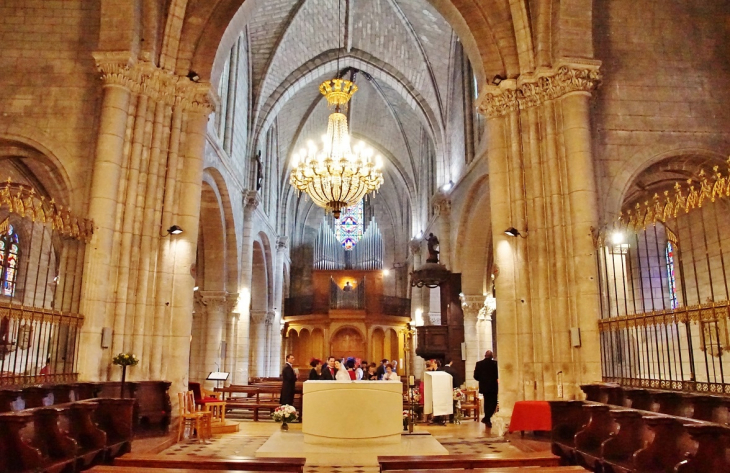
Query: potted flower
459	396
124	360
285	414
406	415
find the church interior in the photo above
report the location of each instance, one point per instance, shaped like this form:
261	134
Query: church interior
202	202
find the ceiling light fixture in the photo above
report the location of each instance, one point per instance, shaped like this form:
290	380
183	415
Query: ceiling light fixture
336	176
513	232
174	230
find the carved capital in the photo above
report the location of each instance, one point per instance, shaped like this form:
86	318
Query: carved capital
231	302
213	300
535	89
442	205
415	246
258	316
471	305
121	68
251	200
282	243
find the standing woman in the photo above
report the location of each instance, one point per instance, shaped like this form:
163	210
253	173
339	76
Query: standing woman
342	374
315	374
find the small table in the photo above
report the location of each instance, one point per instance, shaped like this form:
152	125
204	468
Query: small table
532	416
217	410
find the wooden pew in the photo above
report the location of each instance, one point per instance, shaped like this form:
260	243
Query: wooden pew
588	440
703	407
618	450
446	462
255	398
15	453
638	398
509	469
58	449
669	402
90	439
114	417
713	442
665	450
568	418
195	462
134	469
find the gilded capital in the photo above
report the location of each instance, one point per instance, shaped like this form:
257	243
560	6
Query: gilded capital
535	89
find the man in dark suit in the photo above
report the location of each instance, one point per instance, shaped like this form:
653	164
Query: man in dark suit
329	371
485	372
289	381
449	368
381	369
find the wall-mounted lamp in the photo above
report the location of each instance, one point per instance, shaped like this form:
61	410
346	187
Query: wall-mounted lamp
617	238
513	232
448	186
497	79
195	288
193	76
174	230
386	272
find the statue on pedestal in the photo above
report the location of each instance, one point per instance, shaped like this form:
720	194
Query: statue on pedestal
433	244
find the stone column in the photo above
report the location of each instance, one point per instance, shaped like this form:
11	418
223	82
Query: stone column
215	325
282	254
471	305
251	202
419	312
584	220
96	293
442	205
231	335
542	183
272	348
257	326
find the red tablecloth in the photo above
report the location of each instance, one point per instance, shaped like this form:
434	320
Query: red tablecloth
531	415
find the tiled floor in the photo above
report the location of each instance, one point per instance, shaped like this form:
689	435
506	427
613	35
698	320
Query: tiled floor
468	437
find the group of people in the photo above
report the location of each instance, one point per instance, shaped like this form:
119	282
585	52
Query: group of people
485	373
352	370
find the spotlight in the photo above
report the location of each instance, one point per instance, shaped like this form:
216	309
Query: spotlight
193	76
497	79
195	288
386	272
174	230
447	187
617	238
513	232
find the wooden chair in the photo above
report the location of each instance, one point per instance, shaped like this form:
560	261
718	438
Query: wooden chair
198	420
470	404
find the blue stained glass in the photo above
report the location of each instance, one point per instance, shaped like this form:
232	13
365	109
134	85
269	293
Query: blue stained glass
349	228
671	281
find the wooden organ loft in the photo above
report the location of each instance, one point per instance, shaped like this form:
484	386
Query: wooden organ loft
347	313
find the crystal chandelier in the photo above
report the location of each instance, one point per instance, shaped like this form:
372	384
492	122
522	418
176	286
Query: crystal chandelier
336	176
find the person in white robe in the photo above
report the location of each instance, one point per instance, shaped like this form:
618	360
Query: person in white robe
342	374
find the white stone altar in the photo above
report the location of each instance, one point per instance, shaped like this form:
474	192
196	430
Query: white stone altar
365	411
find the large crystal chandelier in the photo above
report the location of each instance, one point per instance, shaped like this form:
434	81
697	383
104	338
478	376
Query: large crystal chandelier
336	176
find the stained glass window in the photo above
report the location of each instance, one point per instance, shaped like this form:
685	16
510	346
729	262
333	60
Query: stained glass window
671	281
348	229
9	250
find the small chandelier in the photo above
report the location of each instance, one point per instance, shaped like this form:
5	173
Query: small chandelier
336	176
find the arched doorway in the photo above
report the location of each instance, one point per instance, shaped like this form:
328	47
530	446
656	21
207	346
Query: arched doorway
347	342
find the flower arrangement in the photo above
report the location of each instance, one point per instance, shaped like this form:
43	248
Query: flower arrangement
125	359
406	413
459	395
415	394
285	414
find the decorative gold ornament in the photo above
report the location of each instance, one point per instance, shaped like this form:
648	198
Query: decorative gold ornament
336	176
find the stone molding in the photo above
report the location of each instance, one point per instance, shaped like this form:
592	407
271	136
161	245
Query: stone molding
121	69
282	243
258	316
415	246
251	200
213	300
533	90
471	305
442	205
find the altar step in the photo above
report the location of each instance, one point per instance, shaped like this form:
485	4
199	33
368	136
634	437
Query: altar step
228	427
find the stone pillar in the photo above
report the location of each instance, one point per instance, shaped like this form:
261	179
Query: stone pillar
584	220
471	305
542	183
96	293
272	348
215	326
258	340
282	254
231	335
251	201
419	312
442	205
